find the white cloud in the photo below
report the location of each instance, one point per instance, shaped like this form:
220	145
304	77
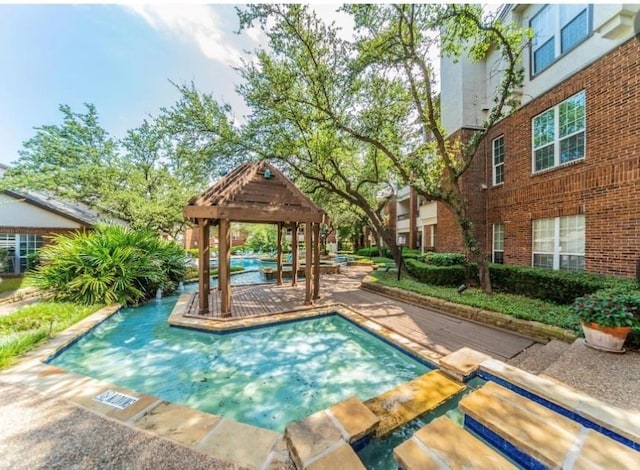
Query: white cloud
198	24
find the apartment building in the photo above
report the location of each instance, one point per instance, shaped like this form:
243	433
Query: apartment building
557	183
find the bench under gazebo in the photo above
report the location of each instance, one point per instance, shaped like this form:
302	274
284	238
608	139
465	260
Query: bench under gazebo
254	192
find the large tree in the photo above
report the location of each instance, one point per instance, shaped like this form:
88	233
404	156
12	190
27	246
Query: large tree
379	90
289	123
147	177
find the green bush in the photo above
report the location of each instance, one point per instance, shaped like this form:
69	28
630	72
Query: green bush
194	252
444	259
372	251
436	275
561	287
111	264
608	310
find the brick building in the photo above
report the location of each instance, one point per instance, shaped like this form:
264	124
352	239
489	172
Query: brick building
557	183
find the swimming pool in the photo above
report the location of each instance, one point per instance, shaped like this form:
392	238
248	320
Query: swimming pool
266	376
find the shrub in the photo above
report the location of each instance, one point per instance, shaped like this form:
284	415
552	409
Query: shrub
436	275
111	264
444	259
607	310
194	252
561	287
372	251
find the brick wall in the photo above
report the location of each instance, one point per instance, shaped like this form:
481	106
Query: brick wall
605	186
449	238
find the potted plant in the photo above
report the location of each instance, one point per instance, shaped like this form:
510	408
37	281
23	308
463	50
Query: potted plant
607	319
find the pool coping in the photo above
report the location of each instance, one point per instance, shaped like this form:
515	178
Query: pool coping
205	432
210	433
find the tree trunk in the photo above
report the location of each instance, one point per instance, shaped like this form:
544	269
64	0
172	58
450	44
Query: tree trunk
474	253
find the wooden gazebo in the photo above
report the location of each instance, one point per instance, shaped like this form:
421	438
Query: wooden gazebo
255	193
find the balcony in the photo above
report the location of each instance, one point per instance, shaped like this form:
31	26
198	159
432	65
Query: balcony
403	193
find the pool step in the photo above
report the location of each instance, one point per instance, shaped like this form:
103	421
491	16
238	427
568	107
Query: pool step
324	440
536	437
444	444
409	400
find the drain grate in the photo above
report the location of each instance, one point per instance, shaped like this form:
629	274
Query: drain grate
115	399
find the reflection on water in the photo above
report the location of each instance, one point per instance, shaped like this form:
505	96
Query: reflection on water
265	376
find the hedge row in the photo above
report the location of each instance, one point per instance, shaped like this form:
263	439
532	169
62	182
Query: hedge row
436	275
560	287
443	259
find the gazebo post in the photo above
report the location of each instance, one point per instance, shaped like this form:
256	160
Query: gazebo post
294	254
316	261
203	262
308	244
224	260
279	256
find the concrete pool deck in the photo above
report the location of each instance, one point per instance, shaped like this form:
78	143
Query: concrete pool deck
55	433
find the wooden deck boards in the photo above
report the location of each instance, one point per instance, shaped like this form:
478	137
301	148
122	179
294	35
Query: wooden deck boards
438	331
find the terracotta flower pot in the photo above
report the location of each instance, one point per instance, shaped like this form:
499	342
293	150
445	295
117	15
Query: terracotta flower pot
605	338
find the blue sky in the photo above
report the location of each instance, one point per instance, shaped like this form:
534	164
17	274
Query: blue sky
118	57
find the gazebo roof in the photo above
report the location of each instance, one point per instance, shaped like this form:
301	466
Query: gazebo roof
254	192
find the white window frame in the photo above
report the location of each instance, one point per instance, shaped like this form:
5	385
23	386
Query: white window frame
556	136
33	243
557	247
493	160
493	243
557	34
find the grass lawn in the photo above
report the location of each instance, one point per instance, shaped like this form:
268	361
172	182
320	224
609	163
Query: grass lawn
23	329
516	306
12	283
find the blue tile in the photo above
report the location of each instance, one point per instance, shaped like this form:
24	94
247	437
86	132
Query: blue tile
503	446
587	423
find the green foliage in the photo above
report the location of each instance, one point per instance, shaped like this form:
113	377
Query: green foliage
436	275
27	326
4	258
8	284
561	287
234	269
444	259
517	306
608	310
194	252
147	177
372	251
109	265
263	238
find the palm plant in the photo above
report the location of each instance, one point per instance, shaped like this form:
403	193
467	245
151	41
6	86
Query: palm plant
112	264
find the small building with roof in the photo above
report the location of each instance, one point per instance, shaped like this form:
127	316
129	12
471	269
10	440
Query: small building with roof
27	221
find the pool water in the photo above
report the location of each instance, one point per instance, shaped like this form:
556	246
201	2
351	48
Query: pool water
267	376
378	454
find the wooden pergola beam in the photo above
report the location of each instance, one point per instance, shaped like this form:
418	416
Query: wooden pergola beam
279	256
204	275
308	244
224	260
294	254
316	261
257	214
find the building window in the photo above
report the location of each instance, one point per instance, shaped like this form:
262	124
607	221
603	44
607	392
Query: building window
559	133
558	243
498	160
498	244
557	29
16	251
